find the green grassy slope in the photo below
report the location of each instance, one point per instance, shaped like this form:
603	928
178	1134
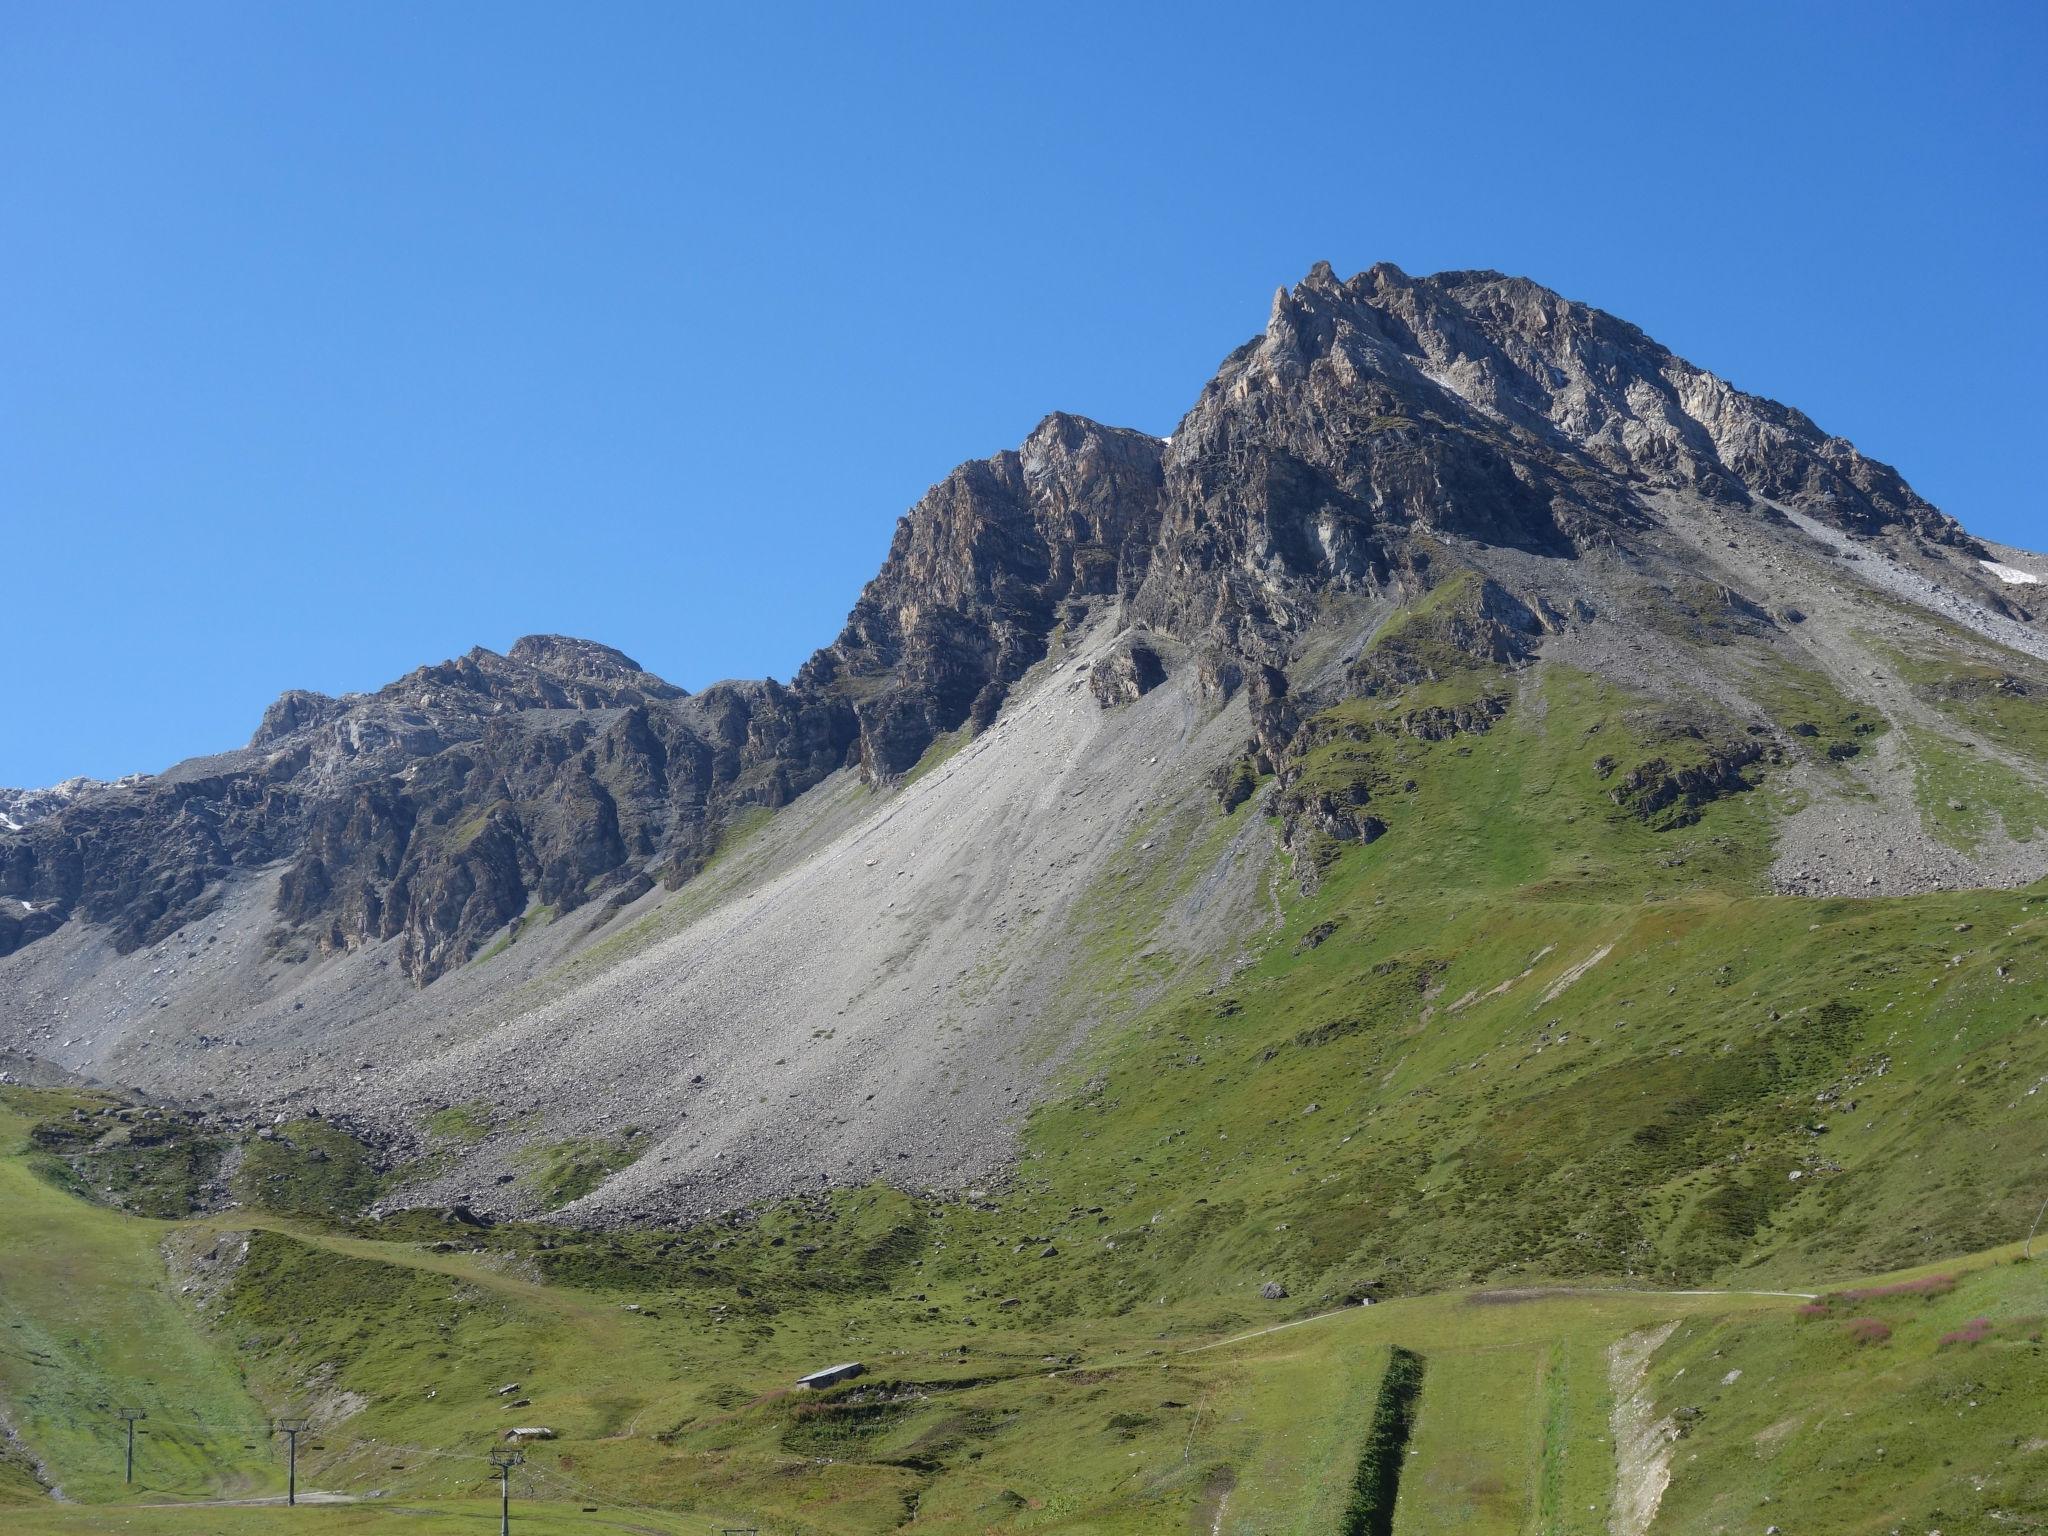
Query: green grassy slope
90	1324
1918	1407
666	1378
1532	1032
1543	1033
679	1396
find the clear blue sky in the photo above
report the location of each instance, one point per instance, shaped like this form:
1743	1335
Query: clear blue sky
337	338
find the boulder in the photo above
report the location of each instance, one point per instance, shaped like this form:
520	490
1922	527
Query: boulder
1129	672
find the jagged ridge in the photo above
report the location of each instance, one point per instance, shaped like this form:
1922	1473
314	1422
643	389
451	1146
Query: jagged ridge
1377	426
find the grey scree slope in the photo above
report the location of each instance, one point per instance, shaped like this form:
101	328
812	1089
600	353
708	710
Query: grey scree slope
874	985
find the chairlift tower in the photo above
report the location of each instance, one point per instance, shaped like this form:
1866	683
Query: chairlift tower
505	1461
129	1416
291	1429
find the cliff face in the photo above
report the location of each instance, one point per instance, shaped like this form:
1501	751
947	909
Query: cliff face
1381	435
975	578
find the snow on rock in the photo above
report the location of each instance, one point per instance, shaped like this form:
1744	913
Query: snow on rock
2012	576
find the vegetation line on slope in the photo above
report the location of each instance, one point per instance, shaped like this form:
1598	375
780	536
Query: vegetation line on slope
1378	1485
1555	1434
1638	1290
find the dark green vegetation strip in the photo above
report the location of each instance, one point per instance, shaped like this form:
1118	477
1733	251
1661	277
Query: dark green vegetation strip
1378	1484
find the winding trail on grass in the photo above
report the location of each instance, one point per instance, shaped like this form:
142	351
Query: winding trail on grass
1539	1292
306	1496
1536	1294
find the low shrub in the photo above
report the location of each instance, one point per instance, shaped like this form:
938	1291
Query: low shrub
1925	1286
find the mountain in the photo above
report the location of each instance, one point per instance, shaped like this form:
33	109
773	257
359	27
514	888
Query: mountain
552	880
1486	820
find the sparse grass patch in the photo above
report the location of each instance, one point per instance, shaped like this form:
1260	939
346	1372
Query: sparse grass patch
309	1168
2006	704
1963	794
465	1124
945	746
562	1171
1809	708
134	1157
526	922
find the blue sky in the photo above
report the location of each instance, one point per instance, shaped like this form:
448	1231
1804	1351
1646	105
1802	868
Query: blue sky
338	339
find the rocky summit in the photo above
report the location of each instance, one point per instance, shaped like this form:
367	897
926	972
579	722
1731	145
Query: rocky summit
1462	941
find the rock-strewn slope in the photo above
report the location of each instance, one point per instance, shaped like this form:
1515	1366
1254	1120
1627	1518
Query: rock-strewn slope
435	810
1379	518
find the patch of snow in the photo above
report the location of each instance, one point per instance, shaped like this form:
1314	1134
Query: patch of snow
2012	576
8	823
1877	569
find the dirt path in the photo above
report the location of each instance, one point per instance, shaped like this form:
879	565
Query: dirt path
1533	1293
1642	1444
306	1496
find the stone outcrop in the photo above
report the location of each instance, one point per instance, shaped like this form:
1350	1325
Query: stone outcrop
975	576
1127	674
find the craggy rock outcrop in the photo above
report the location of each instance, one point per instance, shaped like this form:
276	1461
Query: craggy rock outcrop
1127	674
1377	432
969	594
434	810
1315	815
1674	794
1534	360
1375	412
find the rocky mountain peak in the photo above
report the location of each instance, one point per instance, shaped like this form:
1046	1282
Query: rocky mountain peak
294	710
1384	433
974	577
585	661
1520	355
